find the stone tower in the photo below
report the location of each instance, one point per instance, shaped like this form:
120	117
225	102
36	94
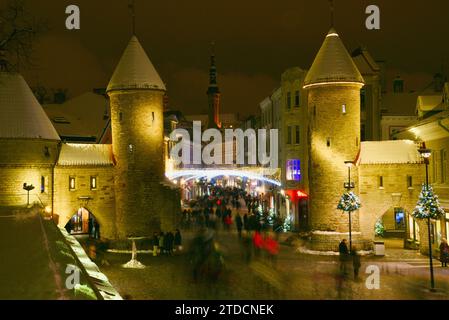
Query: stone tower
333	83
214	95
143	203
29	145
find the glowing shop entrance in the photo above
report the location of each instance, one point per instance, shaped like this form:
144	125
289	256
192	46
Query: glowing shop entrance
83	223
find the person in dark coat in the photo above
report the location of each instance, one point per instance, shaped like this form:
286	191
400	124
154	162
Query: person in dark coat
178	240
155	242
355	262
344	255
246	222
169	239
239	224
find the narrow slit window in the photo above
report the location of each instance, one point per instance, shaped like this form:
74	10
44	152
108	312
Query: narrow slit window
343	109
93	183
328	142
42	184
381	181
409	181
72	183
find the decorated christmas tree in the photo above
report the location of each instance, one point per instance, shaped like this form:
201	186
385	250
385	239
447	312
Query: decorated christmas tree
349	202
428	205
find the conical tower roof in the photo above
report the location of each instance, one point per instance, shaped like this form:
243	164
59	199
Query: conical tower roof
21	115
333	64
135	70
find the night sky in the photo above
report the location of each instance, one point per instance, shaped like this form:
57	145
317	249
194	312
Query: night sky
256	40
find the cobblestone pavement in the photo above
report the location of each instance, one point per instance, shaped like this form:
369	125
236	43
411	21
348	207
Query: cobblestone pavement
294	276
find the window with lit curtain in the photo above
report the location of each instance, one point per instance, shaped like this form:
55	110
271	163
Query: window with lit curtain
293	170
72	183
93	183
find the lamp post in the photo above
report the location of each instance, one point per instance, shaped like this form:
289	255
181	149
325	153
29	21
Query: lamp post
349	185
426	153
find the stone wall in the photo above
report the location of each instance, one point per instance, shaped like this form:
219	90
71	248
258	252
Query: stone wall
378	201
99	202
26	161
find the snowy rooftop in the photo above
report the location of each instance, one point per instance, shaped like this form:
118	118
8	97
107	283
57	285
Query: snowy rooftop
82	116
333	64
135	70
85	155
389	152
21	115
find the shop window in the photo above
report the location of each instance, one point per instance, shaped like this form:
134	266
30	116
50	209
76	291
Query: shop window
399	219
293	170
72	183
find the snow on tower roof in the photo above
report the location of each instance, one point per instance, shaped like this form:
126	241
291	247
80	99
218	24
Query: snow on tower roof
21	115
73	154
333	64
389	152
135	70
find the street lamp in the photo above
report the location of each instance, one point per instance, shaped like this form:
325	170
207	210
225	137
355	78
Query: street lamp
426	153
349	185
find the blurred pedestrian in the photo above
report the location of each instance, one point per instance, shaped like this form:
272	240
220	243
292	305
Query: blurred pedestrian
178	240
155	242
444	253
355	262
169	240
239	224
272	247
344	256
161	243
258	243
246	222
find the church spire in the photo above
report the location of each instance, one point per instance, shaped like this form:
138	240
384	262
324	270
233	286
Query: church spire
213	93
213	68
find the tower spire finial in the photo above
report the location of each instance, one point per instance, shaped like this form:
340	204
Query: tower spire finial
132	7
331	4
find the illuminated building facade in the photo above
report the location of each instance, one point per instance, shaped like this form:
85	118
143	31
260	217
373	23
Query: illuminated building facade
120	188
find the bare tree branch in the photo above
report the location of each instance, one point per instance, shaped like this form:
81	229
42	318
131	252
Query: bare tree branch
18	31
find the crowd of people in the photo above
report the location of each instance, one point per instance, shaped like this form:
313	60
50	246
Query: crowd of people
166	243
216	210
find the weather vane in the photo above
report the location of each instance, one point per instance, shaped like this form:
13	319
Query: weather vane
132	7
331	3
